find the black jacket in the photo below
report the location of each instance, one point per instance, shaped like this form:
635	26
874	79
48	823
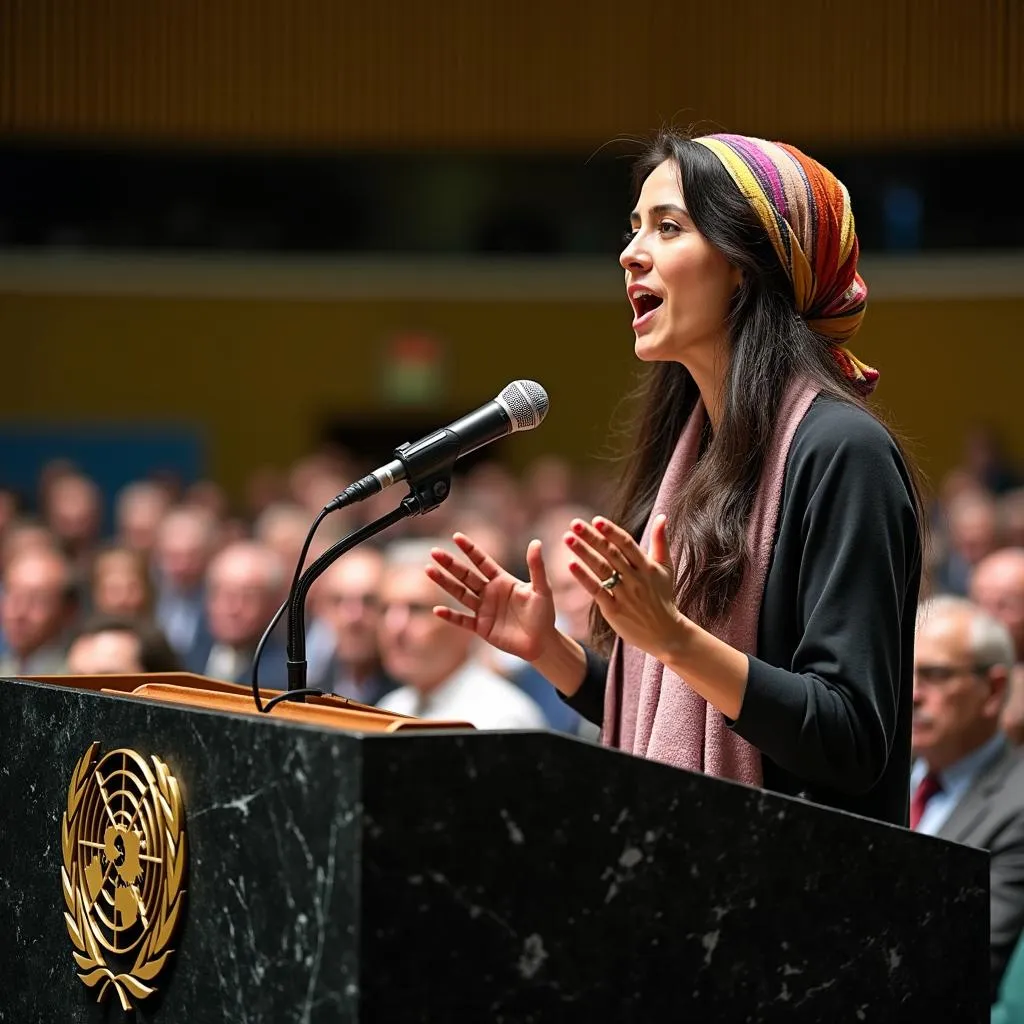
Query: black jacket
829	695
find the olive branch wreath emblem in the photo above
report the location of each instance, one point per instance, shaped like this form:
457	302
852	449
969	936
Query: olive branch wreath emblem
154	941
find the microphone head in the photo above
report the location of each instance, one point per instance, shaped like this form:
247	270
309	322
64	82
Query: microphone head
526	403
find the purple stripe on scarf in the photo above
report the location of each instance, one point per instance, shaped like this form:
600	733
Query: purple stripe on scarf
763	168
769	181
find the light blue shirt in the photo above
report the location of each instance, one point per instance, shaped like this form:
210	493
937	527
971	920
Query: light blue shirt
179	615
956	780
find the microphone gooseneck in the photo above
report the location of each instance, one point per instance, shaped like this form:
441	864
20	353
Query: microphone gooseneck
427	465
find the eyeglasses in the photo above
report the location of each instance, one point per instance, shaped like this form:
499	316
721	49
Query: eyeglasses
411	608
941	674
368	601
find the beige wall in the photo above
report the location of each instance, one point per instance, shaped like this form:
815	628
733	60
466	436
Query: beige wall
528	73
259	375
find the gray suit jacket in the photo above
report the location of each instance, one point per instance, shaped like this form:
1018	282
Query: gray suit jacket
990	816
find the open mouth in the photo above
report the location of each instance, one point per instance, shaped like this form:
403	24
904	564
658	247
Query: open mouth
645	303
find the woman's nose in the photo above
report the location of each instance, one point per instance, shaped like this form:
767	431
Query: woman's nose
634	256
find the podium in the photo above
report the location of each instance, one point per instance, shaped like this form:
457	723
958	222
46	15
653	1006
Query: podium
347	874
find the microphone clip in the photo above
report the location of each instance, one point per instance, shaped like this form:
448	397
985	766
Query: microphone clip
430	481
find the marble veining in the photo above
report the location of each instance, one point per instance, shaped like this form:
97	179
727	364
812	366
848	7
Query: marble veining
484	877
272	819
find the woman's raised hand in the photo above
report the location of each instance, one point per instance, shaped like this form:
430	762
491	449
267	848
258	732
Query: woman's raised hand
515	616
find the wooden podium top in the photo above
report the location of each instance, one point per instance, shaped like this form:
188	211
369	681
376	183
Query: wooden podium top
190	690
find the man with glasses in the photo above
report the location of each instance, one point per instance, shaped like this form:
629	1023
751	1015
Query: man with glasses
348	600
967	783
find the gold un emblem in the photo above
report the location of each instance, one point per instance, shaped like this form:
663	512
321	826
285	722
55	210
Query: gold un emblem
123	844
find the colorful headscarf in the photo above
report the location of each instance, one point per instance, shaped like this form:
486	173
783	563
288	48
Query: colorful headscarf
806	211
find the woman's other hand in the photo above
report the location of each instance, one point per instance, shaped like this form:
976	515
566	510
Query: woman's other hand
515	616
634	590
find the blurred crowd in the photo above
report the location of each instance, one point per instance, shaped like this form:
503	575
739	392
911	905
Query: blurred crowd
185	579
191	579
976	549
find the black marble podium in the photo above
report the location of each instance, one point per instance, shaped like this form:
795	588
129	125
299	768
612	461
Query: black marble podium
483	877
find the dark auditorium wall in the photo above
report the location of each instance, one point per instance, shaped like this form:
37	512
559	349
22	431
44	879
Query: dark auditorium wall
260	375
528	73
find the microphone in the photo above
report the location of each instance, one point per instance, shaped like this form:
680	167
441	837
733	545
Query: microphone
522	405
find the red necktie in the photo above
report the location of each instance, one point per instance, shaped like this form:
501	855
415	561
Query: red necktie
926	789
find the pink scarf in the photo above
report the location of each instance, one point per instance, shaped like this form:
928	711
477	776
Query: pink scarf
651	712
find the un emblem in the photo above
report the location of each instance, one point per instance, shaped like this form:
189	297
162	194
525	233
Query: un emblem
123	846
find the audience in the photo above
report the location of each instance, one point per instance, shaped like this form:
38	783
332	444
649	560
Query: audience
245	584
25	534
37	608
967	783
349	600
121	583
1011	517
437	664
972	528
997	585
138	512
108	645
185	543
282	527
73	511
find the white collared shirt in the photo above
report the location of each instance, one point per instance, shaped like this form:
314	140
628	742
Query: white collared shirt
474	694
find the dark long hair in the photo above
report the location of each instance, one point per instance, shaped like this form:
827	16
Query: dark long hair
770	346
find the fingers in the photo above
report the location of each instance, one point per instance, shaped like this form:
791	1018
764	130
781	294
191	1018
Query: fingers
593	567
603	549
538	574
659	542
459	569
450	585
600	553
456	618
588	581
618	540
488	567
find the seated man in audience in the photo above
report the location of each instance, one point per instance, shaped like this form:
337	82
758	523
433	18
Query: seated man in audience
186	541
436	661
138	512
245	585
109	645
37	607
967	783
120	584
972	524
997	585
73	510
348	596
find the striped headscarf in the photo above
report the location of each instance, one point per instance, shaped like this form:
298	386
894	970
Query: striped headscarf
806	211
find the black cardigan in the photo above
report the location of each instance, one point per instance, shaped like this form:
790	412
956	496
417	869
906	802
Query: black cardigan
829	695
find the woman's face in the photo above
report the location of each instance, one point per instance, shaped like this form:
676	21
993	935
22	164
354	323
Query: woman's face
678	284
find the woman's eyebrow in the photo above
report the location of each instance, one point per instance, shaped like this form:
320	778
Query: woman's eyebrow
659	211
